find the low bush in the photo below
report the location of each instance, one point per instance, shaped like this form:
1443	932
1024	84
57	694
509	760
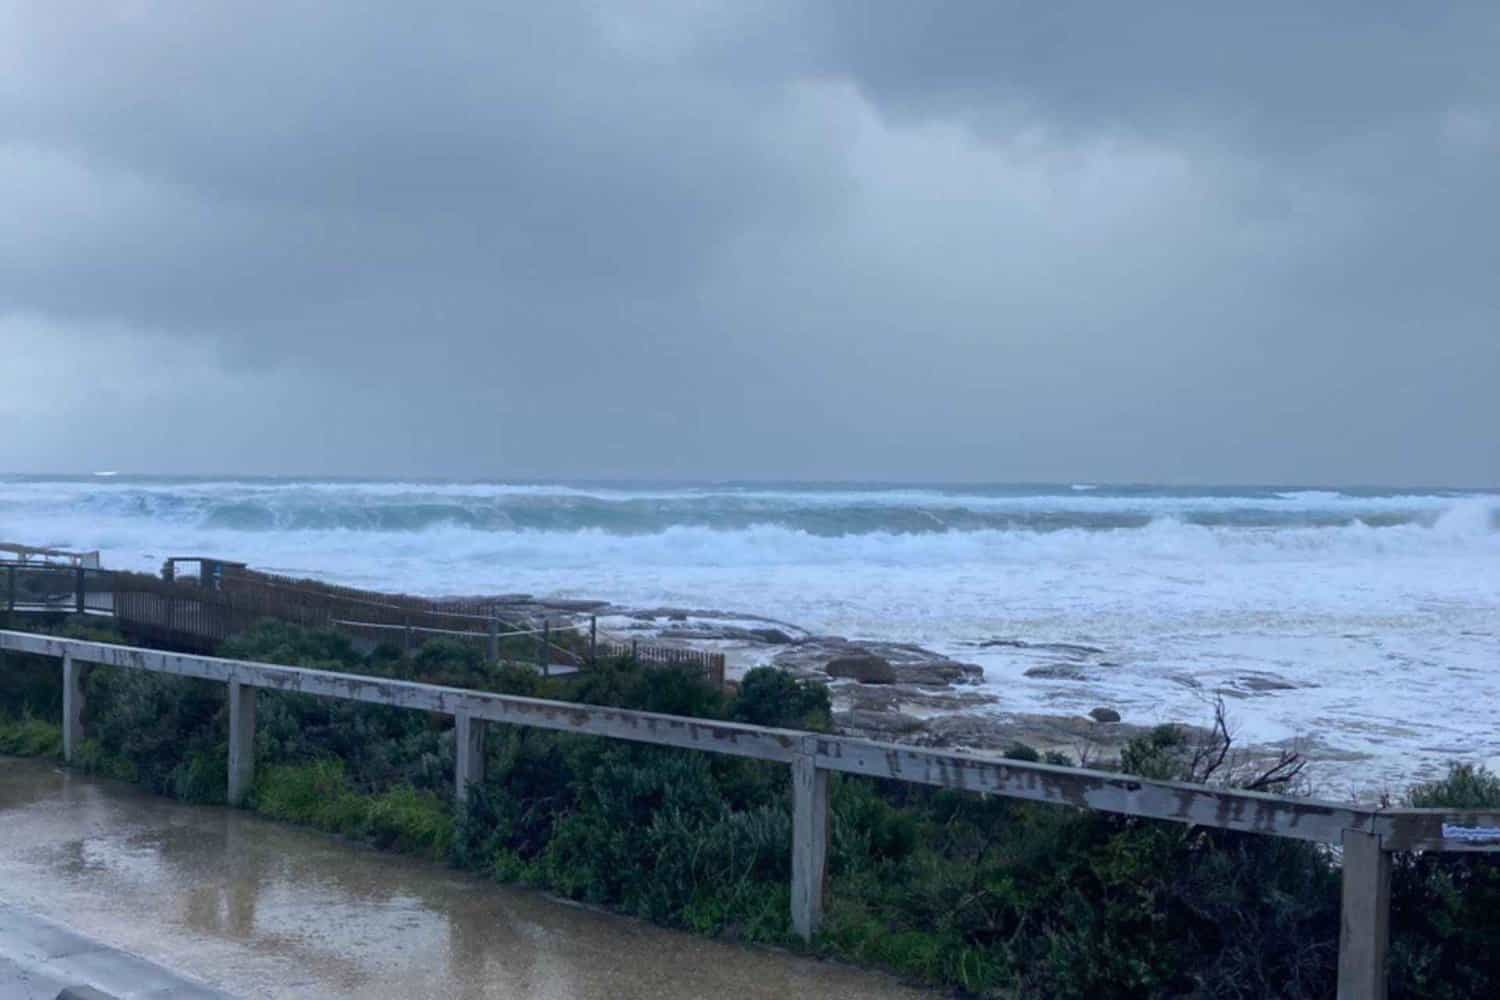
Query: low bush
987	895
1445	908
29	736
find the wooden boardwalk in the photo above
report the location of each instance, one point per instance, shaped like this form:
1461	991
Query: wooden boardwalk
196	612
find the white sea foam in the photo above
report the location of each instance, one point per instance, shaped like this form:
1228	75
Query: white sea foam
1383	610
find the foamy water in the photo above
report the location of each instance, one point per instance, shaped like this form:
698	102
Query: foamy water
1365	620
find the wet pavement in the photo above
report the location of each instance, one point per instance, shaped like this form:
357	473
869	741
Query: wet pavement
260	909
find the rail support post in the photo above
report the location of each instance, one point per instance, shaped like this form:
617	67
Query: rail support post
72	675
80	585
543	650
468	754
809	840
241	741
1364	930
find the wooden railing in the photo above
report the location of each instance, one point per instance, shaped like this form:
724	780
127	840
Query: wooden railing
199	612
42	554
1367	836
55	588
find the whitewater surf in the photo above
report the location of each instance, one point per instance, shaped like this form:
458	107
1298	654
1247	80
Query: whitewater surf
1366	621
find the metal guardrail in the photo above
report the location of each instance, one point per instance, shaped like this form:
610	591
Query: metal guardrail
1367	836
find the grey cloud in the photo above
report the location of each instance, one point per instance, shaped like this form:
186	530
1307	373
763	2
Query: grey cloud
959	241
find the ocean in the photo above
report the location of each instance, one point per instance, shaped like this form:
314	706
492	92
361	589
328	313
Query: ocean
1363	622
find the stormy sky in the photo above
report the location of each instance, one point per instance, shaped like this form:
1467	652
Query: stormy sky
1176	242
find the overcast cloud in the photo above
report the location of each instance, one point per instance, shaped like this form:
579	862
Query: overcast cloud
960	241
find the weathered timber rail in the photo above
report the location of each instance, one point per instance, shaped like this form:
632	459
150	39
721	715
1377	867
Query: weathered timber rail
65	557
1367	836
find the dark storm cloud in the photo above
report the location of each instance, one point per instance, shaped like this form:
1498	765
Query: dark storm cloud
975	241
1288	76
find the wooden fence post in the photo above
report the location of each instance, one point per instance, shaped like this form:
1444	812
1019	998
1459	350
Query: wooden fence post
10	588
468	754
1364	930
809	839
81	586
544	651
241	741
494	645
72	675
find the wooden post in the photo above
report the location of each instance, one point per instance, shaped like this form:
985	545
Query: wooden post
468	754
494	649
545	652
80	585
10	587
634	649
72	673
1364	930
809	840
241	741
593	640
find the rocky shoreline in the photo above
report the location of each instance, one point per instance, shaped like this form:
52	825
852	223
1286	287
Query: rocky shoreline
896	692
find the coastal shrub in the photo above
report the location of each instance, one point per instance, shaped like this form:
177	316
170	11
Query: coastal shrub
992	896
404	819
172	730
1445	908
29	736
314	794
318	794
33	684
771	697
288	645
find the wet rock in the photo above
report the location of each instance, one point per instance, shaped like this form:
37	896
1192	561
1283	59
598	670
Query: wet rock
1104	715
933	673
1080	739
904	698
865	698
691	632
866	668
909	663
877	725
1065	648
1262	682
1058	672
775	636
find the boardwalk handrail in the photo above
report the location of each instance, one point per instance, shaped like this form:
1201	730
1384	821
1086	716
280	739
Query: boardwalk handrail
226	597
1367	835
24	553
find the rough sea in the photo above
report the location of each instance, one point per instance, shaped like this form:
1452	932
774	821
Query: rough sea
1364	621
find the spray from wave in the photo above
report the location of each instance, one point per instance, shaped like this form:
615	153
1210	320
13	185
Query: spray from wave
1374	614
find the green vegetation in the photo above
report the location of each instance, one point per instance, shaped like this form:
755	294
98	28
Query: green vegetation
989	896
29	736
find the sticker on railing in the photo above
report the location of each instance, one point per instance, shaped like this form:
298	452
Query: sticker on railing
1470	834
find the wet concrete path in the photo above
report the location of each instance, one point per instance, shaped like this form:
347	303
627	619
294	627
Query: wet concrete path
260	909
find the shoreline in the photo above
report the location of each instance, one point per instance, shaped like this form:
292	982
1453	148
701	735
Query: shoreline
890	691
